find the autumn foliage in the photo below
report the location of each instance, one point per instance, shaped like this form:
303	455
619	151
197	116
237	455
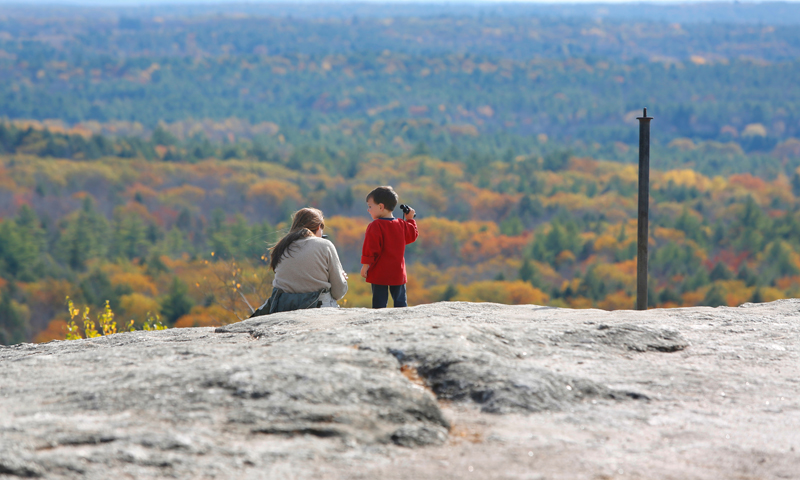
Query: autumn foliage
188	241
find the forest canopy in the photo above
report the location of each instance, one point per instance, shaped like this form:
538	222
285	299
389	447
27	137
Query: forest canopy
148	158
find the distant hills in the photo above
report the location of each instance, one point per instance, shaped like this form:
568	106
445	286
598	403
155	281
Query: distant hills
784	13
575	73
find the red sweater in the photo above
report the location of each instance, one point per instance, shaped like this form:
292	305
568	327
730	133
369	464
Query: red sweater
384	249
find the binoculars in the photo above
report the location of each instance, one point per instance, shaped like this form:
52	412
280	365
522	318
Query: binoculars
405	208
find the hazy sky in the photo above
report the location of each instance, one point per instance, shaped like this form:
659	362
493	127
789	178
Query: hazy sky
174	2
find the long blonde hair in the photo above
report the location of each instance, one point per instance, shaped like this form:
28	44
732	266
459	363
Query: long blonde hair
305	222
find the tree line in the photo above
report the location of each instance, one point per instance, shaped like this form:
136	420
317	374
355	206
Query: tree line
182	238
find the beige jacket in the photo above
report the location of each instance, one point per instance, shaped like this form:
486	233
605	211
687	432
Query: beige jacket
308	265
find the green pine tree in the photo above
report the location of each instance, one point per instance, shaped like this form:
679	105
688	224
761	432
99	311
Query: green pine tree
747	275
85	237
715	297
669	295
720	272
757	297
129	237
177	302
13	324
17	253
699	279
449	293
592	286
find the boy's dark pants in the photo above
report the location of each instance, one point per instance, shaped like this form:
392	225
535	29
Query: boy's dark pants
380	295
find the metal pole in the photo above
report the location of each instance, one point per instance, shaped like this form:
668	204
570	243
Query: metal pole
644	210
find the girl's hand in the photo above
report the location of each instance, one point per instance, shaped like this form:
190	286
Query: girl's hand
364	269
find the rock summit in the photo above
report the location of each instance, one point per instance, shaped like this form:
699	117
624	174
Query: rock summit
447	390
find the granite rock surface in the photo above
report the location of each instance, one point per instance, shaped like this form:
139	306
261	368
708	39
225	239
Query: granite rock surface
436	391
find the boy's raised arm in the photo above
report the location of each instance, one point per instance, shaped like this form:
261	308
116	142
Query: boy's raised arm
412	233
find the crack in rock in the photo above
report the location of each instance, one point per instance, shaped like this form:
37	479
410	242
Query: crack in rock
476	359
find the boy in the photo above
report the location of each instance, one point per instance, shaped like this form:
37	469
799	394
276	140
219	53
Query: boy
382	257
